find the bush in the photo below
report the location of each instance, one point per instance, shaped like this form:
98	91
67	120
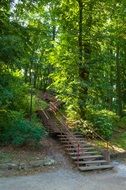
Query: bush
37	103
13	92
19	131
84	127
104	122
122	122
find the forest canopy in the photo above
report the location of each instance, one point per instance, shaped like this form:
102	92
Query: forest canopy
75	49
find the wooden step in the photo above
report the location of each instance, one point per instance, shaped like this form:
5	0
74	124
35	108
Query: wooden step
91	162
72	138
77	134
86	157
81	148
75	146
83	153
87	168
74	141
62	134
67	135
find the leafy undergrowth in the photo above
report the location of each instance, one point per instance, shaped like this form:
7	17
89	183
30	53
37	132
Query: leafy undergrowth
38	103
118	142
119	136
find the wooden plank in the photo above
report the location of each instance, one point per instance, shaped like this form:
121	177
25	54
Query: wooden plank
81	148
74	141
75	146
91	162
72	138
86	157
67	135
83	153
87	168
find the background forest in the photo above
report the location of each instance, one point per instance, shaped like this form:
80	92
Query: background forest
74	49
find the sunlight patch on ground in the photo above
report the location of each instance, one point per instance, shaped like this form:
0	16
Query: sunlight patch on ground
118	149
103	146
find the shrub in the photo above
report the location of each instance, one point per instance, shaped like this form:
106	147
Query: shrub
122	122
19	131
13	92
104	122
84	127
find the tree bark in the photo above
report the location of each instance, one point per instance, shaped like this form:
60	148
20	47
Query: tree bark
84	58
80	31
118	83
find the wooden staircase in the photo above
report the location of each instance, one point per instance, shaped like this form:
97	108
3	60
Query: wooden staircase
83	154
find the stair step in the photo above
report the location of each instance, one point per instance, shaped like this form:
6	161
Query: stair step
81	148
87	168
62	135
92	162
67	135
74	141
75	146
86	157
82	153
77	134
72	138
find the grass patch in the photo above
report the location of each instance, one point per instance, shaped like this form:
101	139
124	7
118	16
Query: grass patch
119	140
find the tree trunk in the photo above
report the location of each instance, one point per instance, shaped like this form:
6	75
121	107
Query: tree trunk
83	63
118	83
80	32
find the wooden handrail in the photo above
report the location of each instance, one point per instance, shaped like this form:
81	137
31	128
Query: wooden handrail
45	114
61	123
100	137
71	135
66	128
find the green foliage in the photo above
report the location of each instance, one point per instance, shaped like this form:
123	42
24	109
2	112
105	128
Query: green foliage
37	103
19	131
122	122
84	127
119	140
11	49
13	91
104	122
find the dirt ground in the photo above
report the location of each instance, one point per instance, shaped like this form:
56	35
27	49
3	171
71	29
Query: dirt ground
62	176
48	148
69	179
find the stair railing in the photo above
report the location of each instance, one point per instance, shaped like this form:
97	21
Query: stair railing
68	132
108	144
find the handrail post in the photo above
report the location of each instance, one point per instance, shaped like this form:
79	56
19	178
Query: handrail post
107	154
78	154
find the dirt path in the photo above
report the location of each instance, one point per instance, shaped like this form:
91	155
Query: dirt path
50	148
66	176
68	179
